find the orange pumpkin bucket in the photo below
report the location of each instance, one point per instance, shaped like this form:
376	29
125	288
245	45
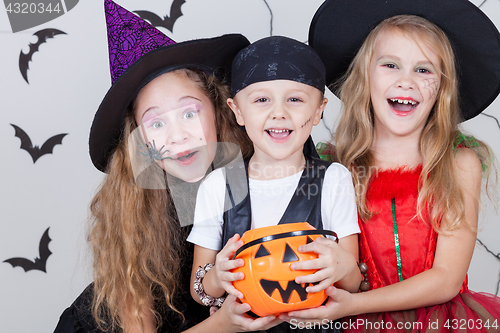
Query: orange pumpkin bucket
269	285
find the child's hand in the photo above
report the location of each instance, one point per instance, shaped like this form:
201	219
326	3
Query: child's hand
237	320
332	264
224	263
339	305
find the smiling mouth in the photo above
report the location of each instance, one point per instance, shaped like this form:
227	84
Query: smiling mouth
404	105
278	133
186	157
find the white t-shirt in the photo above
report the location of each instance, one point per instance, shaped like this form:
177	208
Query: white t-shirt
269	200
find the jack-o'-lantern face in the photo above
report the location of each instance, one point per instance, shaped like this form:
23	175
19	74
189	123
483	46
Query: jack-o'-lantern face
269	285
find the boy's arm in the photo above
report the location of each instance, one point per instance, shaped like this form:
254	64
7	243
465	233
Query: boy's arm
219	279
343	218
336	263
201	257
352	279
207	229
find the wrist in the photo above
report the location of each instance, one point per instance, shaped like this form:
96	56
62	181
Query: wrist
352	279
218	321
200	282
212	284
357	305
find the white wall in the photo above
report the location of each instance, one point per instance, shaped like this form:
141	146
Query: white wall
68	77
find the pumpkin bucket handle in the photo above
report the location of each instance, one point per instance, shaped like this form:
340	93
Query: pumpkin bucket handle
285	235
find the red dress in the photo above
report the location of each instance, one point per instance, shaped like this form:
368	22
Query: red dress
393	194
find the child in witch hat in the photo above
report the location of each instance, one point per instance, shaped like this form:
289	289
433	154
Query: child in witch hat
157	127
407	73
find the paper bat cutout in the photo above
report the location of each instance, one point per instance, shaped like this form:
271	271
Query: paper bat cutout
24	59
167	22
40	262
35	151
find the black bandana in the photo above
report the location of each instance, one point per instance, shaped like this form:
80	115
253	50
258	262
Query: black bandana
277	58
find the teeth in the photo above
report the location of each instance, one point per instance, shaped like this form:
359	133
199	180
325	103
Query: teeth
403	101
277	131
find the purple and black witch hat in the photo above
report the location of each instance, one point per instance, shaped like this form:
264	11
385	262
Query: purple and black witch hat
129	38
138	52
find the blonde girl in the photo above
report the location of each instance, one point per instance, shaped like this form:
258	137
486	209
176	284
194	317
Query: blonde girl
418	178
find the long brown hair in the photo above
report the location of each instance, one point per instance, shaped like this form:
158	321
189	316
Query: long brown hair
134	235
440	192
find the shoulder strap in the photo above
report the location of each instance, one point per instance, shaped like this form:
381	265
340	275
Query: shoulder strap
237	215
305	205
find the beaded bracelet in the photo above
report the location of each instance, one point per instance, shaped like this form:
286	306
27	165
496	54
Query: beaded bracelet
198	288
365	284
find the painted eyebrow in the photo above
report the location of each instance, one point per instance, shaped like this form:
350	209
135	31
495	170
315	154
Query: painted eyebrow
426	63
189	97
151	108
180	99
390	57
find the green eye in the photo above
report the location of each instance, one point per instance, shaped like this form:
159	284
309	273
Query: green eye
189	115
158	124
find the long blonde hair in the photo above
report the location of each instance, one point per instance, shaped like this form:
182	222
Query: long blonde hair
134	235
440	192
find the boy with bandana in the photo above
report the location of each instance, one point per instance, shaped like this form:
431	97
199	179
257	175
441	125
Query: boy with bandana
277	94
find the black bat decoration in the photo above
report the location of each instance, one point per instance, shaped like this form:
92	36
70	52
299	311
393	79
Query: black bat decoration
35	151
24	59
168	21
40	262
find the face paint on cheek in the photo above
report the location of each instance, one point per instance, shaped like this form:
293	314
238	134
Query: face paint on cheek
307	122
432	86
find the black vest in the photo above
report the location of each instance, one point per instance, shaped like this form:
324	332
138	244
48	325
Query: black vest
305	206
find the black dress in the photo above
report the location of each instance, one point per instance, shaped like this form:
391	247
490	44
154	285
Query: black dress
78	317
